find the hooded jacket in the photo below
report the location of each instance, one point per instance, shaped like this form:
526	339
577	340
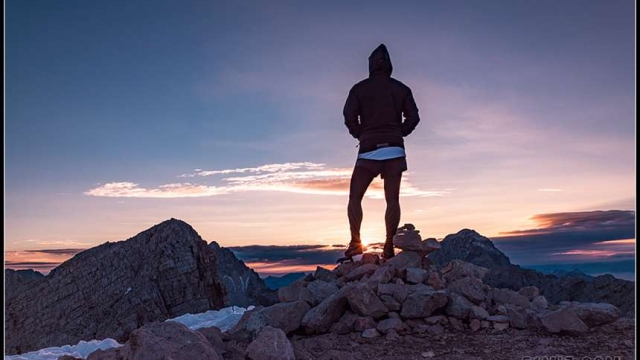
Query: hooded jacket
375	106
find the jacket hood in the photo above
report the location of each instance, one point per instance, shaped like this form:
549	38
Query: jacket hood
380	62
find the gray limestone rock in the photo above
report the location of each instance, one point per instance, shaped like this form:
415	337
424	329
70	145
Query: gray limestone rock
562	320
319	319
271	344
423	303
112	289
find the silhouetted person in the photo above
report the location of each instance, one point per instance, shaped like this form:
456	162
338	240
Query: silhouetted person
373	114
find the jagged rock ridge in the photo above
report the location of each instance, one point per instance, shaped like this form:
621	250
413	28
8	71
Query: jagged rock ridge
113	289
243	285
18	280
469	246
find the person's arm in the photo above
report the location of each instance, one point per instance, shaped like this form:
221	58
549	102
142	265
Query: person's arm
410	112
351	113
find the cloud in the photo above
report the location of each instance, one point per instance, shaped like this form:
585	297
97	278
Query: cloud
283	259
291	254
176	190
34	264
551	190
572	237
581	221
300	177
42	266
263	168
51	251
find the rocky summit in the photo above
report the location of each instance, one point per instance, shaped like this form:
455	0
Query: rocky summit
117	287
469	246
402	308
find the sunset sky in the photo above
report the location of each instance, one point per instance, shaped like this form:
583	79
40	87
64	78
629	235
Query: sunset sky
228	115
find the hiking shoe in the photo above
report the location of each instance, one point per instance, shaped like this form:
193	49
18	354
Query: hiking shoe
355	248
388	252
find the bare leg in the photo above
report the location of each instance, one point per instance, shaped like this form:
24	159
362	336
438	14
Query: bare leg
360	181
392	196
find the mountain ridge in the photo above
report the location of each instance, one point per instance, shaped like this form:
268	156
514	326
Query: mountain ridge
116	287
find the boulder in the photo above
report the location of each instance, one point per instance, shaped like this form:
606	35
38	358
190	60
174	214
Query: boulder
344	268
360	271
562	320
458	306
109	354
319	319
517	317
405	259
423	303
295	291
324	274
166	340
469	286
320	290
383	274
594	314
270	344
397	291
457	269
214	336
286	316
507	296
415	275
366	303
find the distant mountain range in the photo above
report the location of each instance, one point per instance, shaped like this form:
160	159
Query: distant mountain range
276	282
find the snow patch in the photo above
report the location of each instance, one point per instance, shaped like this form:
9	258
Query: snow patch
80	350
224	319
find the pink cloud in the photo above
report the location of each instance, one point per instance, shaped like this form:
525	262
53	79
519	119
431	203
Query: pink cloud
302	178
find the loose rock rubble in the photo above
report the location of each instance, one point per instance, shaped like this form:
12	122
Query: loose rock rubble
394	302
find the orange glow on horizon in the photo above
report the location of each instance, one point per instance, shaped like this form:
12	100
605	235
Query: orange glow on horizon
278	268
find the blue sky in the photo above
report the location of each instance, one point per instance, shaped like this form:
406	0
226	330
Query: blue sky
527	108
